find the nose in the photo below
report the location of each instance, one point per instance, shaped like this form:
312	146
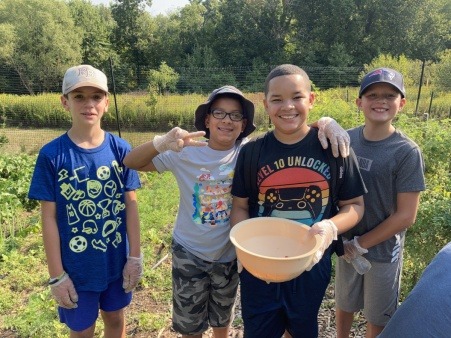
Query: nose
288	105
90	102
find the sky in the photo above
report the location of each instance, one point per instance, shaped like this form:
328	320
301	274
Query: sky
158	6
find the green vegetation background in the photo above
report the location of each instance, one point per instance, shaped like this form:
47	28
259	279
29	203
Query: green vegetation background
26	307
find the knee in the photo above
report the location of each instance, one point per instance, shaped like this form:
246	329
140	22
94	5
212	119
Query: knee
113	318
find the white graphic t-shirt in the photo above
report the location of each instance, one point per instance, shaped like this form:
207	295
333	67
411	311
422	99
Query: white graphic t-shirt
204	178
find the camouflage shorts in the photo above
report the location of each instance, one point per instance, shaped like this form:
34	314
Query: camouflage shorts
203	293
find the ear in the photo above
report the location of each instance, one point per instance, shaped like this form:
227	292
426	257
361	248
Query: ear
64	102
402	103
107	105
207	121
358	102
311	99
244	124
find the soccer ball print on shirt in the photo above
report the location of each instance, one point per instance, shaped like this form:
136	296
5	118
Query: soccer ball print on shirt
93	206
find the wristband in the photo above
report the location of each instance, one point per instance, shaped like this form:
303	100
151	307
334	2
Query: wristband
56	279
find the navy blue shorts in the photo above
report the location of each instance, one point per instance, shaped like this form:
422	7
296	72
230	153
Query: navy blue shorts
85	315
270	309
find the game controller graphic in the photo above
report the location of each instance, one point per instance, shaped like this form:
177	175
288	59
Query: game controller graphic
299	198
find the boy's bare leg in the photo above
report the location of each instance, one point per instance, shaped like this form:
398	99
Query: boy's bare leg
373	330
221	332
114	323
88	333
344	322
192	336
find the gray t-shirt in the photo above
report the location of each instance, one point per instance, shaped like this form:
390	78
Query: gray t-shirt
388	167
204	178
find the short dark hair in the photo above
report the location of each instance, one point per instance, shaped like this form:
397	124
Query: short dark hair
286	69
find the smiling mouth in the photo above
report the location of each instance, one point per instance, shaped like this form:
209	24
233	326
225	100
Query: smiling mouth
288	117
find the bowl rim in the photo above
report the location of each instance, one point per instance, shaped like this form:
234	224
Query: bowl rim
243	222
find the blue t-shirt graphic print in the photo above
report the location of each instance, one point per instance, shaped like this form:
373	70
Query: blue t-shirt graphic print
88	187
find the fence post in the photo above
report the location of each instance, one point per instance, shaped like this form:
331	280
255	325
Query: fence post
419	88
114	95
430	103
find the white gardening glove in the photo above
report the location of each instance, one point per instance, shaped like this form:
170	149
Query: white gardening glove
239	266
353	249
176	139
132	273
338	137
328	232
64	293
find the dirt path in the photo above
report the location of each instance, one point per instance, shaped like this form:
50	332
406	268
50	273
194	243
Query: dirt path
326	319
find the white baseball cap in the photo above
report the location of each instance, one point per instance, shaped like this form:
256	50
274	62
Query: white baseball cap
84	76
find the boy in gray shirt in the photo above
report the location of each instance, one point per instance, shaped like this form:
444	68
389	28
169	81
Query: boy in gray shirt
392	168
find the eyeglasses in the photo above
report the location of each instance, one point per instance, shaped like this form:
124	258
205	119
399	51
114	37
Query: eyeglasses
221	114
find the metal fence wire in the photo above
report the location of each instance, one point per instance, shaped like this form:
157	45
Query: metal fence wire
30	120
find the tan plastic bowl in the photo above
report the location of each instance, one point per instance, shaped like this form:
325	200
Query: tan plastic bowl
274	249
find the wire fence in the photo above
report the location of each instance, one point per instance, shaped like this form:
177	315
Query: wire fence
29	121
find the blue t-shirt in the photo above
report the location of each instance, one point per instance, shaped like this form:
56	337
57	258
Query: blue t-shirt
88	187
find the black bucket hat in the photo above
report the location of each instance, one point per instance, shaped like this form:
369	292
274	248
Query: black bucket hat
204	109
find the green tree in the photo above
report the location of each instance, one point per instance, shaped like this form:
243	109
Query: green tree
321	32
429	32
442	71
95	24
8	41
242	30
46	41
128	14
203	72
165	78
410	69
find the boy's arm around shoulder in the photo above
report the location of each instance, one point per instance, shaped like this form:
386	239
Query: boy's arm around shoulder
140	158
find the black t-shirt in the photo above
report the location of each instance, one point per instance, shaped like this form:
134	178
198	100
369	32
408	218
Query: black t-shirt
293	180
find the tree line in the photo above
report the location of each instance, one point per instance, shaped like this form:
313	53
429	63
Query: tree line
224	41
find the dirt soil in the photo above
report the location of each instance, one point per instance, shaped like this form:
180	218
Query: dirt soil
142	301
326	319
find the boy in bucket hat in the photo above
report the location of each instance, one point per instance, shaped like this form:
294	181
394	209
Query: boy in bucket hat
93	251
204	266
392	168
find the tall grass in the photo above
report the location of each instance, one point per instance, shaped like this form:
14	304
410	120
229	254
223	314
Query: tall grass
26	306
141	112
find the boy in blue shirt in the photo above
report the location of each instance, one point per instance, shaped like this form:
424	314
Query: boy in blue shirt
90	223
